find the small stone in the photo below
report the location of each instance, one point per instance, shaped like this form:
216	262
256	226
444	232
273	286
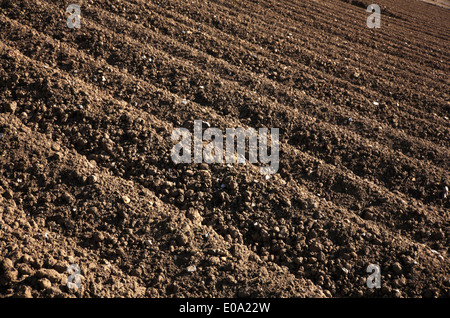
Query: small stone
191	268
397	268
368	215
57	156
316	247
247	196
182	239
10	275
98	236
148	243
93	210
24	292
194	216
173	288
126	199
50	274
205	174
214	260
56	147
122	213
317	215
27	259
10	107
92	179
8	194
44	283
67	197
7	264
396	293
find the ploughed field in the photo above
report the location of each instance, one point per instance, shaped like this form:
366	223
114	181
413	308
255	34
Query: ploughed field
87	179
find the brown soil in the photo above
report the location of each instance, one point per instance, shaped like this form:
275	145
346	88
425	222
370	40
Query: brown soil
441	3
86	176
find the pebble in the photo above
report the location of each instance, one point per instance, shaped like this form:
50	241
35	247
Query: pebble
397	293
11	107
182	239
194	216
191	268
25	291
92	210
98	236
397	268
205	174
126	199
92	179
49	274
44	283
368	214
67	197
7	264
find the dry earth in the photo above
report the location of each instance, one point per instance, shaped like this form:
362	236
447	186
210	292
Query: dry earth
86	176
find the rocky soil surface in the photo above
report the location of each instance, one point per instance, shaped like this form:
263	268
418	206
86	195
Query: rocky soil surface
86	176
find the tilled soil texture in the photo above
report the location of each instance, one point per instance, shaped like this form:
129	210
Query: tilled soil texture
86	176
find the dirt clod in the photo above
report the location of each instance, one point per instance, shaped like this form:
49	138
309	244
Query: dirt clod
93	205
